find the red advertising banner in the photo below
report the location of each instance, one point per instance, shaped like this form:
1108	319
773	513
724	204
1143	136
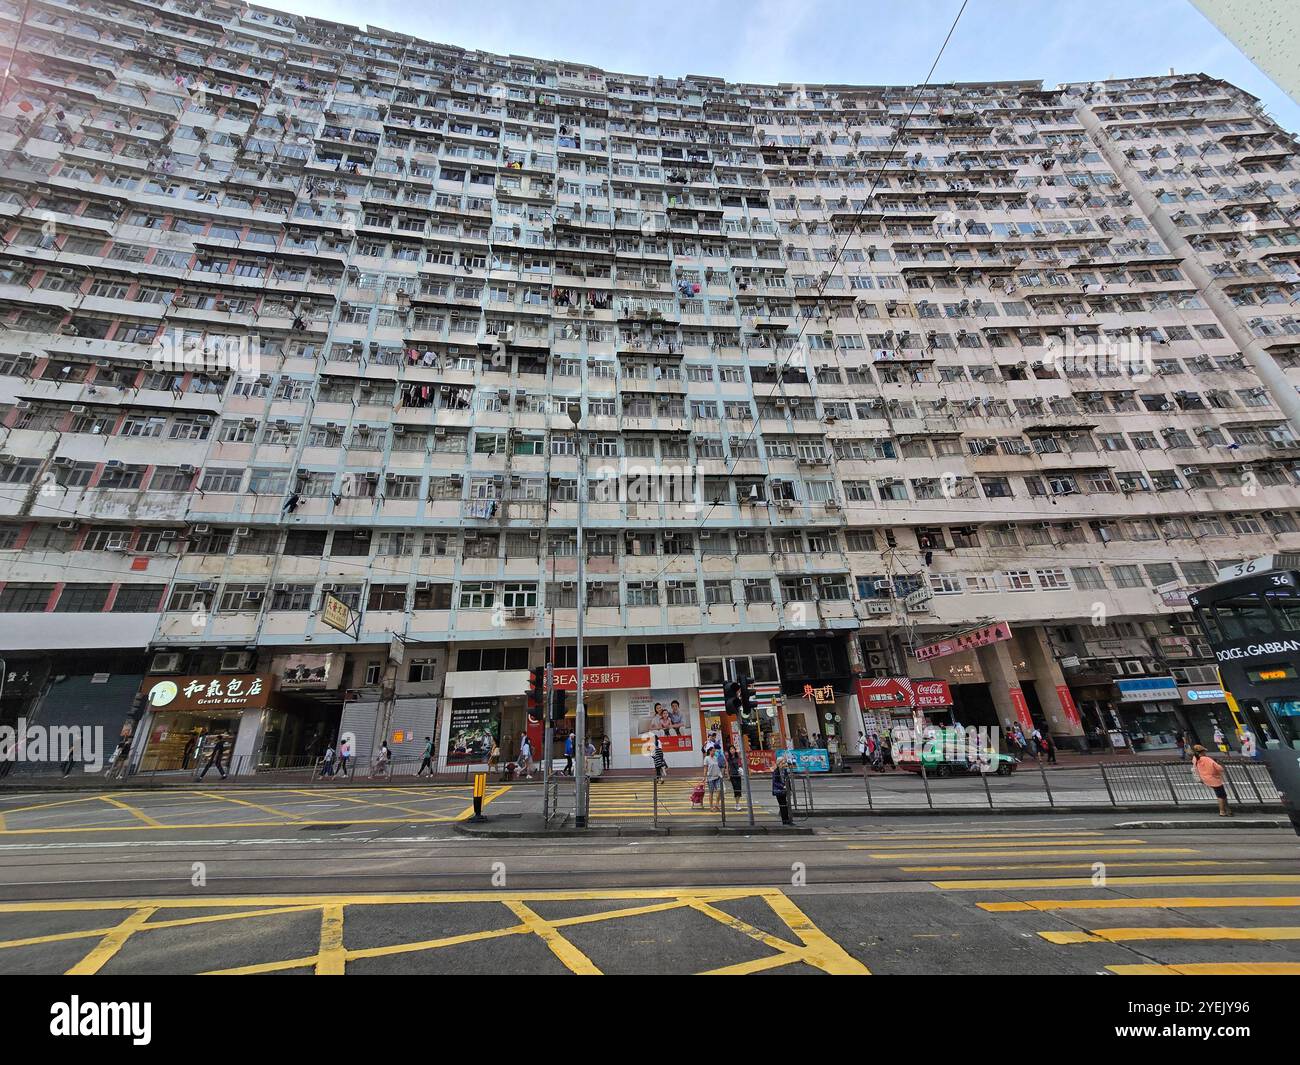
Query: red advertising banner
964	641
1022	709
603	678
1066	698
903	693
761	761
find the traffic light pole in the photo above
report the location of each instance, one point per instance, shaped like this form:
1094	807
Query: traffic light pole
546	743
744	768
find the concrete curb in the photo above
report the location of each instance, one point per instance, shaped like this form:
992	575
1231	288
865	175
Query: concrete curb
1220	822
1040	808
225	785
619	832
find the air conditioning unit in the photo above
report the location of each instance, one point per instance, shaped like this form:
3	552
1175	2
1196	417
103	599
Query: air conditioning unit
166	663
236	661
62	460
67	526
201	530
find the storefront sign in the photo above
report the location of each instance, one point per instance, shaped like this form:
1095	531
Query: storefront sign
663	714
1202	695
472	732
1066	698
1147	690
335	613
807	759
603	678
965	641
820	696
245	691
309	672
903	693
1022	708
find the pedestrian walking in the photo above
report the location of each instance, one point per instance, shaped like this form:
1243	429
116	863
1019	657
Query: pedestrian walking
1049	748
214	759
781	789
864	750
733	771
382	761
1211	774
568	754
1181	739
345	752
713	778
426	762
117	765
327	762
606	752
526	757
886	752
660	762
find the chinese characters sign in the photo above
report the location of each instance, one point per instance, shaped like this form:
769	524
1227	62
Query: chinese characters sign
965	641
820	696
603	678
903	693
246	691
335	613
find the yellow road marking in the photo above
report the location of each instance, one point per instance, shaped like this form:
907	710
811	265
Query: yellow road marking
1115	881
330	959
1070	865
132	810
256	806
111	944
831	956
572	958
1211	968
297	822
1184	902
468	812
50	805
916	845
1052	853
1132	935
366	802
178	922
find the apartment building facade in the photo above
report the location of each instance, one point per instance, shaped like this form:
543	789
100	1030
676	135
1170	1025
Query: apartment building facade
874	385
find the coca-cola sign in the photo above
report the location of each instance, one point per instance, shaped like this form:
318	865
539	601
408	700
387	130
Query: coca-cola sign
903	693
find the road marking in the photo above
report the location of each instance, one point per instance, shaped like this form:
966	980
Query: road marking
1069	865
1211	968
1052	853
132	810
915	844
570	956
1133	935
468	812
331	959
116	939
1117	881
256	806
1184	902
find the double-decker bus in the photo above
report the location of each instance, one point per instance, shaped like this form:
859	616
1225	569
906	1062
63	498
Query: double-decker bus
1253	625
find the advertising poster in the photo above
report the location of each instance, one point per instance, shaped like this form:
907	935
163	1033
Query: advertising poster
473	730
807	759
660	712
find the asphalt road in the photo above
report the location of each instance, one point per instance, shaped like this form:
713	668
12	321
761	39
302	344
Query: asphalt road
330	883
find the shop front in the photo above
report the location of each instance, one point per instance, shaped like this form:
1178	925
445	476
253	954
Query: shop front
632	706
889	702
1205	709
188	715
1148	711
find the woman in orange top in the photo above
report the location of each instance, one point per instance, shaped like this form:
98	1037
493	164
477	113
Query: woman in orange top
1211	774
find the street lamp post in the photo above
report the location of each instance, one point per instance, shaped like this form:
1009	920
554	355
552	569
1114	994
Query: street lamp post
580	711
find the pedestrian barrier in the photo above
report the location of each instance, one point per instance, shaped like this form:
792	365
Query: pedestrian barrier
1111	784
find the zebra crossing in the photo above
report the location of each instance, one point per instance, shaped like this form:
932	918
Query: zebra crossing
635	800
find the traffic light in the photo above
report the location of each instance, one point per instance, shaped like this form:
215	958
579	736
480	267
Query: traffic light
748	701
536	692
733	691
559	709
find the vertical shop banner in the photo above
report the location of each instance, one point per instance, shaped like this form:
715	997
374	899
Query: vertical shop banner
1022	709
473	730
660	712
1067	704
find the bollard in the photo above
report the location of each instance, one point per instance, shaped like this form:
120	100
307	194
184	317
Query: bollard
480	786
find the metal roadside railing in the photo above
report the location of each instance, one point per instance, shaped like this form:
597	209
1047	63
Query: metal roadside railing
1034	784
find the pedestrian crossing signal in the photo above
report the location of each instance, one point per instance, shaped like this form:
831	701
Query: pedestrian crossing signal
748	703
733	698
559	705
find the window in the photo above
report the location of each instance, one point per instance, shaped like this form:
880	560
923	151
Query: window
655	654
138	598
20	598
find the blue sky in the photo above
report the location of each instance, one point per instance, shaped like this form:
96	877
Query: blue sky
848	41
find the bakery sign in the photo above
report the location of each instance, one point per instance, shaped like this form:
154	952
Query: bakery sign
903	693
244	691
995	632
